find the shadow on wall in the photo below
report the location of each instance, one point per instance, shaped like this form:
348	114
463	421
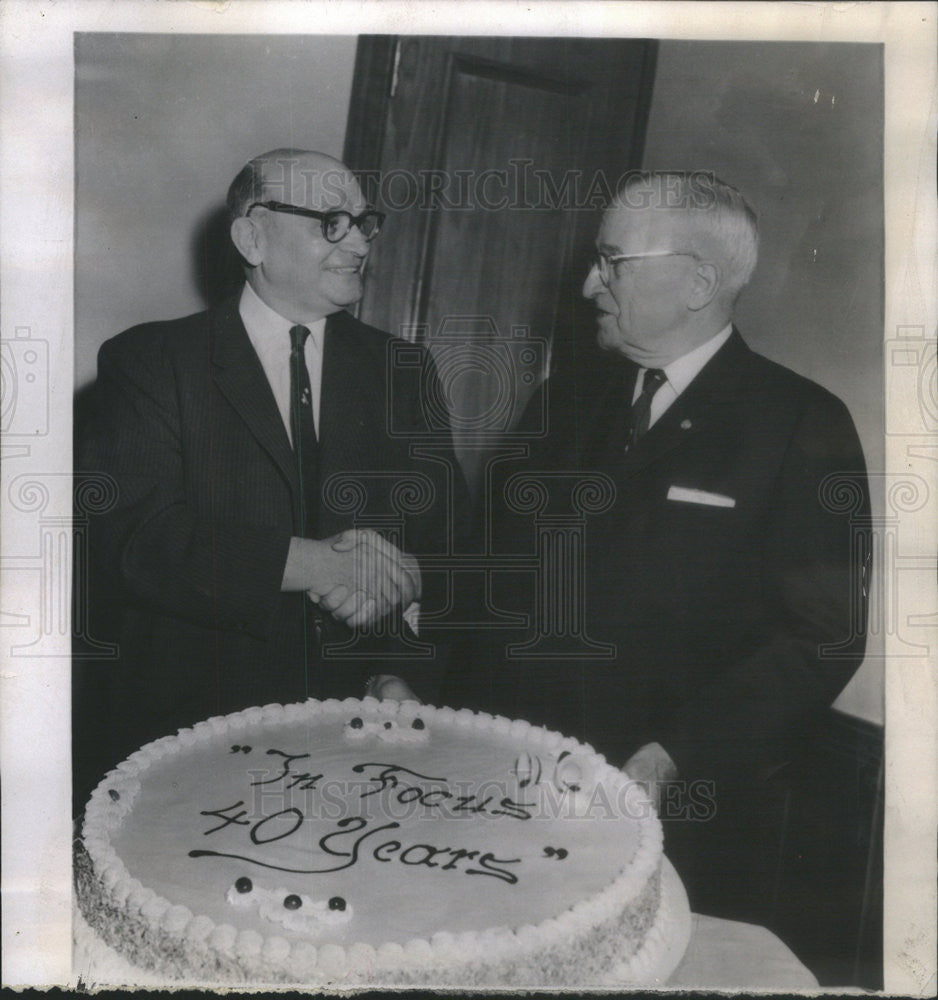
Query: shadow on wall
216	264
216	270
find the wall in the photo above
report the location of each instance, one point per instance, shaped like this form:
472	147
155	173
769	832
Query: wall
164	123
797	128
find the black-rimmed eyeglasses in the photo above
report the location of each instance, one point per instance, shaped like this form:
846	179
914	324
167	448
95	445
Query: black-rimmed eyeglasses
336	225
605	263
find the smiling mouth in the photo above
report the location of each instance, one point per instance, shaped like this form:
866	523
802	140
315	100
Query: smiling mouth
352	269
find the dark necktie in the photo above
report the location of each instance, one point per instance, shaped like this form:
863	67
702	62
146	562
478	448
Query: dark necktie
303	429
640	413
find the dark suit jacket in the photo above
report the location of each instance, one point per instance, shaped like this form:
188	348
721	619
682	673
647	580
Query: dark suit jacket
207	500
734	626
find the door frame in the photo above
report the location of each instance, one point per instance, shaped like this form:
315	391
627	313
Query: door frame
374	82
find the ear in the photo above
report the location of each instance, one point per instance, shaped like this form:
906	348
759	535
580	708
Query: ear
248	239
706	283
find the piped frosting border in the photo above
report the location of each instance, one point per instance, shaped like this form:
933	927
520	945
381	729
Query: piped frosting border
172	938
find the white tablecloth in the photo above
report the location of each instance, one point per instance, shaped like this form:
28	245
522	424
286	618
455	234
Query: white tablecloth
728	955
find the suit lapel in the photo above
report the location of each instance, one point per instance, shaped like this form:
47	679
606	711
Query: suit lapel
607	410
240	378
347	398
699	408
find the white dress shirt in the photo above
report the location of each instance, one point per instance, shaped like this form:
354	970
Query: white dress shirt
680	374
269	333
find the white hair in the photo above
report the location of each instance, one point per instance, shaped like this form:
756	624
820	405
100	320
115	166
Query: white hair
718	215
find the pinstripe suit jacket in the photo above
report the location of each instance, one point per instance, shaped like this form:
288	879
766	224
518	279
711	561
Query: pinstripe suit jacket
207	501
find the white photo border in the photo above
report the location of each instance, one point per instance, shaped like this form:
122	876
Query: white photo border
36	271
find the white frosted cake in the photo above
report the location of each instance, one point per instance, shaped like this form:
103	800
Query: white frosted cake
364	842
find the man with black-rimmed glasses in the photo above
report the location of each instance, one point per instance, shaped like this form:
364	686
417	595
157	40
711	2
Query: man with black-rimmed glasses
270	522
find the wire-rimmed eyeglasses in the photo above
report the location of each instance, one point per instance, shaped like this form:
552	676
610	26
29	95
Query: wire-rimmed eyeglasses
605	263
336	224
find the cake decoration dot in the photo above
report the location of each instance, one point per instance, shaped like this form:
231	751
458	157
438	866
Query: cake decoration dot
337	903
418	724
293	902
115	795
356	723
244	884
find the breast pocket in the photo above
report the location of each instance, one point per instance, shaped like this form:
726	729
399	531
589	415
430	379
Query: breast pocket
693	497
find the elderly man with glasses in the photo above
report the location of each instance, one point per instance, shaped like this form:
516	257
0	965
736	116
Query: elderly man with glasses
728	575
269	518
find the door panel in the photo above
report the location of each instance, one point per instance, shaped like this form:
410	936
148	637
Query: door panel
493	158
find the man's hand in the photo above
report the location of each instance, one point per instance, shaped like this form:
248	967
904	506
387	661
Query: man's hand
651	765
357	576
390	688
376	556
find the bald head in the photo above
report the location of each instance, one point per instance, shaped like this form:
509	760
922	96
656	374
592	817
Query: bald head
295	176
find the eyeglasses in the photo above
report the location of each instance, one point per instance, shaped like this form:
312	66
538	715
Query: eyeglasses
336	225
605	263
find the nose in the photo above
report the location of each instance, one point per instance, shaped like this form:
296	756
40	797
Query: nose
593	284
355	242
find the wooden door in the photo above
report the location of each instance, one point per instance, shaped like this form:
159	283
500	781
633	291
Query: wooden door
493	158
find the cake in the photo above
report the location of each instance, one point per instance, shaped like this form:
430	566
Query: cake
373	843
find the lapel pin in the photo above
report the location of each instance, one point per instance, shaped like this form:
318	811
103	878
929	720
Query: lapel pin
686	425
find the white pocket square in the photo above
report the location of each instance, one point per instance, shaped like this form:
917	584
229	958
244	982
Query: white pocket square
684	495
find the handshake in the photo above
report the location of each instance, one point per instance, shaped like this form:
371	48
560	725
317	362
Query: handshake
357	576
